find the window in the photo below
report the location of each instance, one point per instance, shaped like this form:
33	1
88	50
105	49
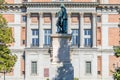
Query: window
35	39
88	38
23	34
98	18
24	18
88	42
35	42
47	39
23	9
87	32
35	32
75	37
34	67
88	67
23	42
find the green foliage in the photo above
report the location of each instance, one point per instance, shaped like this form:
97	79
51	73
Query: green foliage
116	74
3	22
47	79
117	51
2	2
76	79
6	35
7	60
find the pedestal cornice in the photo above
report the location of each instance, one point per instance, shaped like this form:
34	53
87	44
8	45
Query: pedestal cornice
61	35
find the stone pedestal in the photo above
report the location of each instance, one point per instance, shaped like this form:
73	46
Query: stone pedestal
61	68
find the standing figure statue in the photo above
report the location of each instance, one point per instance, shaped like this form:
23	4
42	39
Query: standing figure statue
62	20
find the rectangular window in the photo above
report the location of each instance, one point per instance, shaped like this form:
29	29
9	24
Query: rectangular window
88	42
23	42
98	18
75	37
34	67
35	42
24	18
47	39
88	67
35	38
35	32
87	32
87	37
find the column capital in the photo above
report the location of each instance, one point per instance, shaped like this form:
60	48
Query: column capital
69	14
94	14
53	14
81	13
40	13
28	14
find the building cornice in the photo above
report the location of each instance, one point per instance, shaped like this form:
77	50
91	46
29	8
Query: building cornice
70	5
57	4
109	5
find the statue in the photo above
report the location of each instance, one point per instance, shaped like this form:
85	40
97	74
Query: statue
62	20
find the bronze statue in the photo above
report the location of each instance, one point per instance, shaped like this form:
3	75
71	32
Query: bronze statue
62	20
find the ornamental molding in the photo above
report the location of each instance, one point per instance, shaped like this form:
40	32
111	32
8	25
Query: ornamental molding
71	6
57	4
108	7
51	4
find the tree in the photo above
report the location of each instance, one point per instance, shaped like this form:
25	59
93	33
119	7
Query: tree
7	59
117	51
116	73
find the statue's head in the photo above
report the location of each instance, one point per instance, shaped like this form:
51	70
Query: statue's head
62	6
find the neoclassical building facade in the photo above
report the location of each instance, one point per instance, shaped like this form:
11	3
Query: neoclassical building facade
95	29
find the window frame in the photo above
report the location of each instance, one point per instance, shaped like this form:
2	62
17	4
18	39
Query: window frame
88	42
35	38
34	68
90	67
99	19
47	38
24	18
75	37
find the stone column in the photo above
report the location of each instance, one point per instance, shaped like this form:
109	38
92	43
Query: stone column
105	66
81	30
28	32
40	30
54	27
94	29
69	23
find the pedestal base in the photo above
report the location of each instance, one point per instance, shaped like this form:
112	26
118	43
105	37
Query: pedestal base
62	72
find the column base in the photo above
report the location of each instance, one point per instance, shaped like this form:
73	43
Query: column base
81	46
94	46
